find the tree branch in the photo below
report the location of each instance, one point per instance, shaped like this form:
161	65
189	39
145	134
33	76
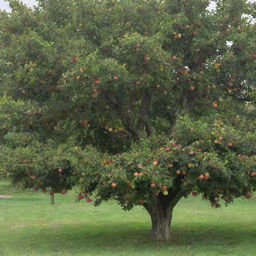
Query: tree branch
143	124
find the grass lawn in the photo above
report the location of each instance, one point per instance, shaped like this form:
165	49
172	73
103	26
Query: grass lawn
29	225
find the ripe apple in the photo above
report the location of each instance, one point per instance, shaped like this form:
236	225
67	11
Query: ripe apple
155	162
167	148
253	56
146	58
206	175
136	174
115	77
63	192
215	105
60	170
140	174
230	144
165	193
178	172
113	185
97	82
201	177
174	58
88	199
152	185
190	165
199	150
80	197
192	88
164	188
194	193
216	141
158	86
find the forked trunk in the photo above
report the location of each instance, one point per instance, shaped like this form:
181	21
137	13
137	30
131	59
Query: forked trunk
160	209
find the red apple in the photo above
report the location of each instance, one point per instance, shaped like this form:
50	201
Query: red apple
60	170
164	188
63	192
88	199
97	82
155	162
152	185
115	77
201	177
80	197
113	185
194	193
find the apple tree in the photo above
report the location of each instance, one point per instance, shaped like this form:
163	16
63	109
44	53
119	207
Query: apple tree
145	101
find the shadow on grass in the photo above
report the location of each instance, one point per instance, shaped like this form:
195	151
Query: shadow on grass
130	237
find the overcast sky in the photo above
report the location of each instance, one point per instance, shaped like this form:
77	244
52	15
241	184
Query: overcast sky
4	5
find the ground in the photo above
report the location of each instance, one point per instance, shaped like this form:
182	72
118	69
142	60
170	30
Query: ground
31	226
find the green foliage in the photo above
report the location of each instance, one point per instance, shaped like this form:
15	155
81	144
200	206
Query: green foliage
126	94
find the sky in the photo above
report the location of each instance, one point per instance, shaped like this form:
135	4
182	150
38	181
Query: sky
4	5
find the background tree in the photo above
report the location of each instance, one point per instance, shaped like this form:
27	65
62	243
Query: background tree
145	101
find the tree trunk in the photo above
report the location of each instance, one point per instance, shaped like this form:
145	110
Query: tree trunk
161	229
52	199
161	221
160	209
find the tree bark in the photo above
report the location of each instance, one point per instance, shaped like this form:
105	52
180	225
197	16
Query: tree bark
161	224
160	210
52	199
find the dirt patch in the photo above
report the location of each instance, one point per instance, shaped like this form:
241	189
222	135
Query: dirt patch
5	196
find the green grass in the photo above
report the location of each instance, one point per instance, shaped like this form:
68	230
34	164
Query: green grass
29	225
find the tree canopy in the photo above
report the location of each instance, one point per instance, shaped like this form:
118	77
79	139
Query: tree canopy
144	102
